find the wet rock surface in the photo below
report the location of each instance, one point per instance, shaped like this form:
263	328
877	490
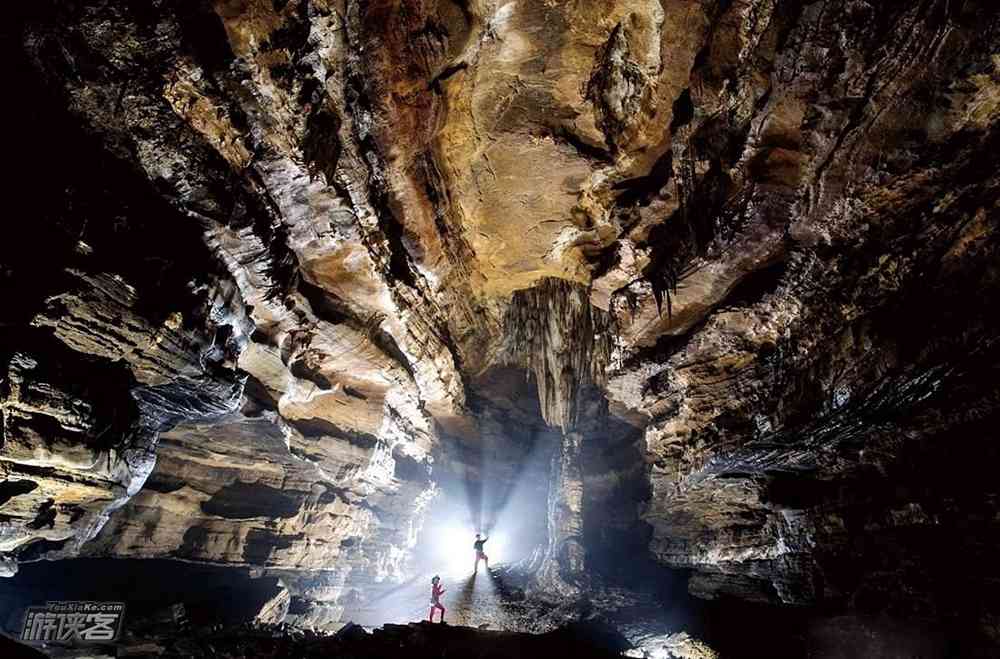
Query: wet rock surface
703	291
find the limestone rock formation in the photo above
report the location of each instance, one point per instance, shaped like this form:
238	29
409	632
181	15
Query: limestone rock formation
284	273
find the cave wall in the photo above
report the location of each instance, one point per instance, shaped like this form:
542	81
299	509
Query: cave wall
116	327
318	511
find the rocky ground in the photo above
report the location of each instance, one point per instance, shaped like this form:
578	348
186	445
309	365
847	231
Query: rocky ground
352	642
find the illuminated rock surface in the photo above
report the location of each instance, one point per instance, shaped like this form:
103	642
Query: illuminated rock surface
709	284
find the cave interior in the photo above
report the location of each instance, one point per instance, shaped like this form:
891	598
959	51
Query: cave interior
688	306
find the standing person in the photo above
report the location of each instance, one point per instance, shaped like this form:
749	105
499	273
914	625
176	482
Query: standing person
436	592
480	556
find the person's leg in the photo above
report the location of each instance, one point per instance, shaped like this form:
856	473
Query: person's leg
430	618
476	569
486	559
441	606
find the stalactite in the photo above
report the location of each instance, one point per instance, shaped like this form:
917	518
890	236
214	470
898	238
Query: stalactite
555	333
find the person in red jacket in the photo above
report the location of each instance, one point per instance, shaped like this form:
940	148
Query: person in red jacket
436	592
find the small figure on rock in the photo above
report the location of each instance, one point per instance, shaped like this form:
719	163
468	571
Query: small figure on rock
480	556
436	592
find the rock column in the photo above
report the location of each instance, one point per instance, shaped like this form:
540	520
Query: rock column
562	574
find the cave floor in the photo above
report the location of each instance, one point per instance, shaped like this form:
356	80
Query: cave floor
470	600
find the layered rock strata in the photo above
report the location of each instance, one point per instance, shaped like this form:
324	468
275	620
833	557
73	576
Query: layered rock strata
296	243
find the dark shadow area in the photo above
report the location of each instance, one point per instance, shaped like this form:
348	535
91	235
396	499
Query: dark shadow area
210	594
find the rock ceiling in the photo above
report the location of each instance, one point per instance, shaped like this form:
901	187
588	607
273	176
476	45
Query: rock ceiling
282	249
